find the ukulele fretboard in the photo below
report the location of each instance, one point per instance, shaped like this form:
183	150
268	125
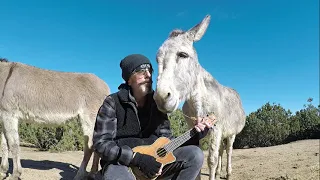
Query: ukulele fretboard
175	143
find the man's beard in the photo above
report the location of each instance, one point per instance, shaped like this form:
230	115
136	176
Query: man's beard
145	88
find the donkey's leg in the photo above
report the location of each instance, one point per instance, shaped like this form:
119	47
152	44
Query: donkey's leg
5	154
82	173
219	167
96	157
215	138
229	148
10	124
87	125
95	163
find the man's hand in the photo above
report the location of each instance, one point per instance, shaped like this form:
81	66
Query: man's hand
204	122
147	164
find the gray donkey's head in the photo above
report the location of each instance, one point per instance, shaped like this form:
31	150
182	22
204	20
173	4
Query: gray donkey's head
178	67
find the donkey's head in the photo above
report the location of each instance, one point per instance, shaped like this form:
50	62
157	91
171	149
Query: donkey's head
178	66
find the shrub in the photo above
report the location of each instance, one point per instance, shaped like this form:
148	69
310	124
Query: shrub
178	124
55	138
273	125
305	124
267	126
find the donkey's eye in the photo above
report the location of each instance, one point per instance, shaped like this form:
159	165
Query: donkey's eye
182	54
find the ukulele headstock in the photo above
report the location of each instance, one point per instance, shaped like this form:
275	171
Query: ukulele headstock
210	118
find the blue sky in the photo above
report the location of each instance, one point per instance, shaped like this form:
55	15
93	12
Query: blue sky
267	50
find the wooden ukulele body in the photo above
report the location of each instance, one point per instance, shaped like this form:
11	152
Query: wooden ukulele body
163	147
153	150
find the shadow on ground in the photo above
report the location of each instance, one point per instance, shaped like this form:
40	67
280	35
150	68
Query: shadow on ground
68	171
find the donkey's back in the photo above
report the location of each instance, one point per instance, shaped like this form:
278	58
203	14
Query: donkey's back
49	95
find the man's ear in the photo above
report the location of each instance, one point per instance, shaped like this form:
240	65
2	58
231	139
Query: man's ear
130	80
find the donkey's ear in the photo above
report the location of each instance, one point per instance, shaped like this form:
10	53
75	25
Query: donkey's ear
198	30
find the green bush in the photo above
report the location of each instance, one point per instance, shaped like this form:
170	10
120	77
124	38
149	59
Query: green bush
305	124
267	126
55	138
71	137
273	125
178	124
42	136
204	143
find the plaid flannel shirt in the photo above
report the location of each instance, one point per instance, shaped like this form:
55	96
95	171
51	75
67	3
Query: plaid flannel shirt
105	132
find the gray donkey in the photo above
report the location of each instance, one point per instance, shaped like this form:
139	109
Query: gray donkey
181	78
49	97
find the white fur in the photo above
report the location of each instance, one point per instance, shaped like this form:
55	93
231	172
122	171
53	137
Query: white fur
182	79
50	97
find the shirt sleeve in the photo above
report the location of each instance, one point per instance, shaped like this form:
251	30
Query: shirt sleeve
105	132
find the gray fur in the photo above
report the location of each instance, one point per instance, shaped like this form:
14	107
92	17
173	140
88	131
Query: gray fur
49	97
184	79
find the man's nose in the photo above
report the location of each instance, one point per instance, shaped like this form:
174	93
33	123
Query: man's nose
148	74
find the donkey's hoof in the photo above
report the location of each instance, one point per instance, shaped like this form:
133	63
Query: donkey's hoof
3	175
229	177
217	177
13	177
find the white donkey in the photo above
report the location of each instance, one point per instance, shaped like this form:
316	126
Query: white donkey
50	97
181	78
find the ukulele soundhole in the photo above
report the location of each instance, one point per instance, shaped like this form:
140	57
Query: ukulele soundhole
161	152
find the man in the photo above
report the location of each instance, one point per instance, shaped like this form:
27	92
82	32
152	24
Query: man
130	118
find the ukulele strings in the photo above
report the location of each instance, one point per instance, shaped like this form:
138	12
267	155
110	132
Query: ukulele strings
178	141
175	143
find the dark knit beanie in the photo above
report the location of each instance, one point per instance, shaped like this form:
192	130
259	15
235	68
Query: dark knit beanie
130	63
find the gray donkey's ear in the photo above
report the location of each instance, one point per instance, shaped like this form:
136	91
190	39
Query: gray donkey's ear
198	30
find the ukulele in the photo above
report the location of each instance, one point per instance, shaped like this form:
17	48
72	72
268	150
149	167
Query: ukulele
162	148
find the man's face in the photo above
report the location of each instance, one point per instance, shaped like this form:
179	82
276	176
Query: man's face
141	80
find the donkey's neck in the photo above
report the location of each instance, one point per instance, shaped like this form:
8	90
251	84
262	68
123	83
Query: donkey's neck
205	89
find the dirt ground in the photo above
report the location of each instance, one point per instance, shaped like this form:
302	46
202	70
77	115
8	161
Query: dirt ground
296	160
